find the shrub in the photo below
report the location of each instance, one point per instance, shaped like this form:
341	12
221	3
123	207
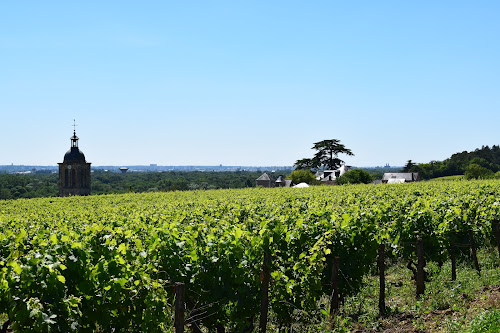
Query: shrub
356	176
302	176
475	171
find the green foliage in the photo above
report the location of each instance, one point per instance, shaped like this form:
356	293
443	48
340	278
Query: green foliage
108	263
14	186
475	171
28	186
306	163
486	322
457	164
448	178
409	164
355	176
457	298
138	182
301	176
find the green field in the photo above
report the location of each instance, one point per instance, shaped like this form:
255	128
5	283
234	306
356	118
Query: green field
447	178
109	263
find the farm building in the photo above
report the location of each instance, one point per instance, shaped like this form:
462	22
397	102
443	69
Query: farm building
268	181
265	180
400	177
282	182
329	176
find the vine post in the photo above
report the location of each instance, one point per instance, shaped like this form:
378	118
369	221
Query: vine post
420	267
221	328
265	277
334	300
474	254
496	229
179	307
381	270
453	259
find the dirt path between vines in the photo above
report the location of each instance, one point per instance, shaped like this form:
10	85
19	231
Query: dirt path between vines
487	298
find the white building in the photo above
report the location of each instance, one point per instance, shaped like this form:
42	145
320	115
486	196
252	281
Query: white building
331	175
400	177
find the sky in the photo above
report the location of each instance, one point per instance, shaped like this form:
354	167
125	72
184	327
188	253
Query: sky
252	83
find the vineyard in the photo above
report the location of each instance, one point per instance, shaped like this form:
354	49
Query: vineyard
240	257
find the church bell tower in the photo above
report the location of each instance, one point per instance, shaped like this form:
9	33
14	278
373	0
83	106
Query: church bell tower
74	171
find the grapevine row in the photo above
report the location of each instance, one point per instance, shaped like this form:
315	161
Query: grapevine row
110	262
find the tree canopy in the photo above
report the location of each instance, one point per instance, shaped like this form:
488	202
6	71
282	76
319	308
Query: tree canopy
457	164
302	176
408	166
355	176
326	156
476	171
14	186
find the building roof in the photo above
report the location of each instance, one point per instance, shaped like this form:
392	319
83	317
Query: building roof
280	179
265	176
407	176
74	155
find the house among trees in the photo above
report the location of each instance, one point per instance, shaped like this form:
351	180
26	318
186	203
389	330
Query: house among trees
330	176
400	177
268	181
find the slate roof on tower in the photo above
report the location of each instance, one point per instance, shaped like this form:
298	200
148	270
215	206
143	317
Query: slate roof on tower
74	155
265	176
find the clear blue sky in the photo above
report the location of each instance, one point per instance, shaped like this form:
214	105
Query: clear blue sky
247	82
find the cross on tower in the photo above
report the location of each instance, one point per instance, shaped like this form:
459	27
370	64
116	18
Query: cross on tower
74	138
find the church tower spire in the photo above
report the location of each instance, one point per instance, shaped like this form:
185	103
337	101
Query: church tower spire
74	171
74	138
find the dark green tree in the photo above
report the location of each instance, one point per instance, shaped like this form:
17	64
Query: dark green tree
327	153
475	171
306	163
408	166
326	156
301	176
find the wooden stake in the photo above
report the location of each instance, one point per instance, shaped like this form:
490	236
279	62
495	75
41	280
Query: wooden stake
496	229
381	271
221	328
264	304
420	267
453	260
179	307
474	254
334	302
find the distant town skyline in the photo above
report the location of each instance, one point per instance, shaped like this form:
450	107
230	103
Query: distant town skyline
247	83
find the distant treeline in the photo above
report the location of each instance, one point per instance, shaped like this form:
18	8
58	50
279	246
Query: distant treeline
15	186
480	163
